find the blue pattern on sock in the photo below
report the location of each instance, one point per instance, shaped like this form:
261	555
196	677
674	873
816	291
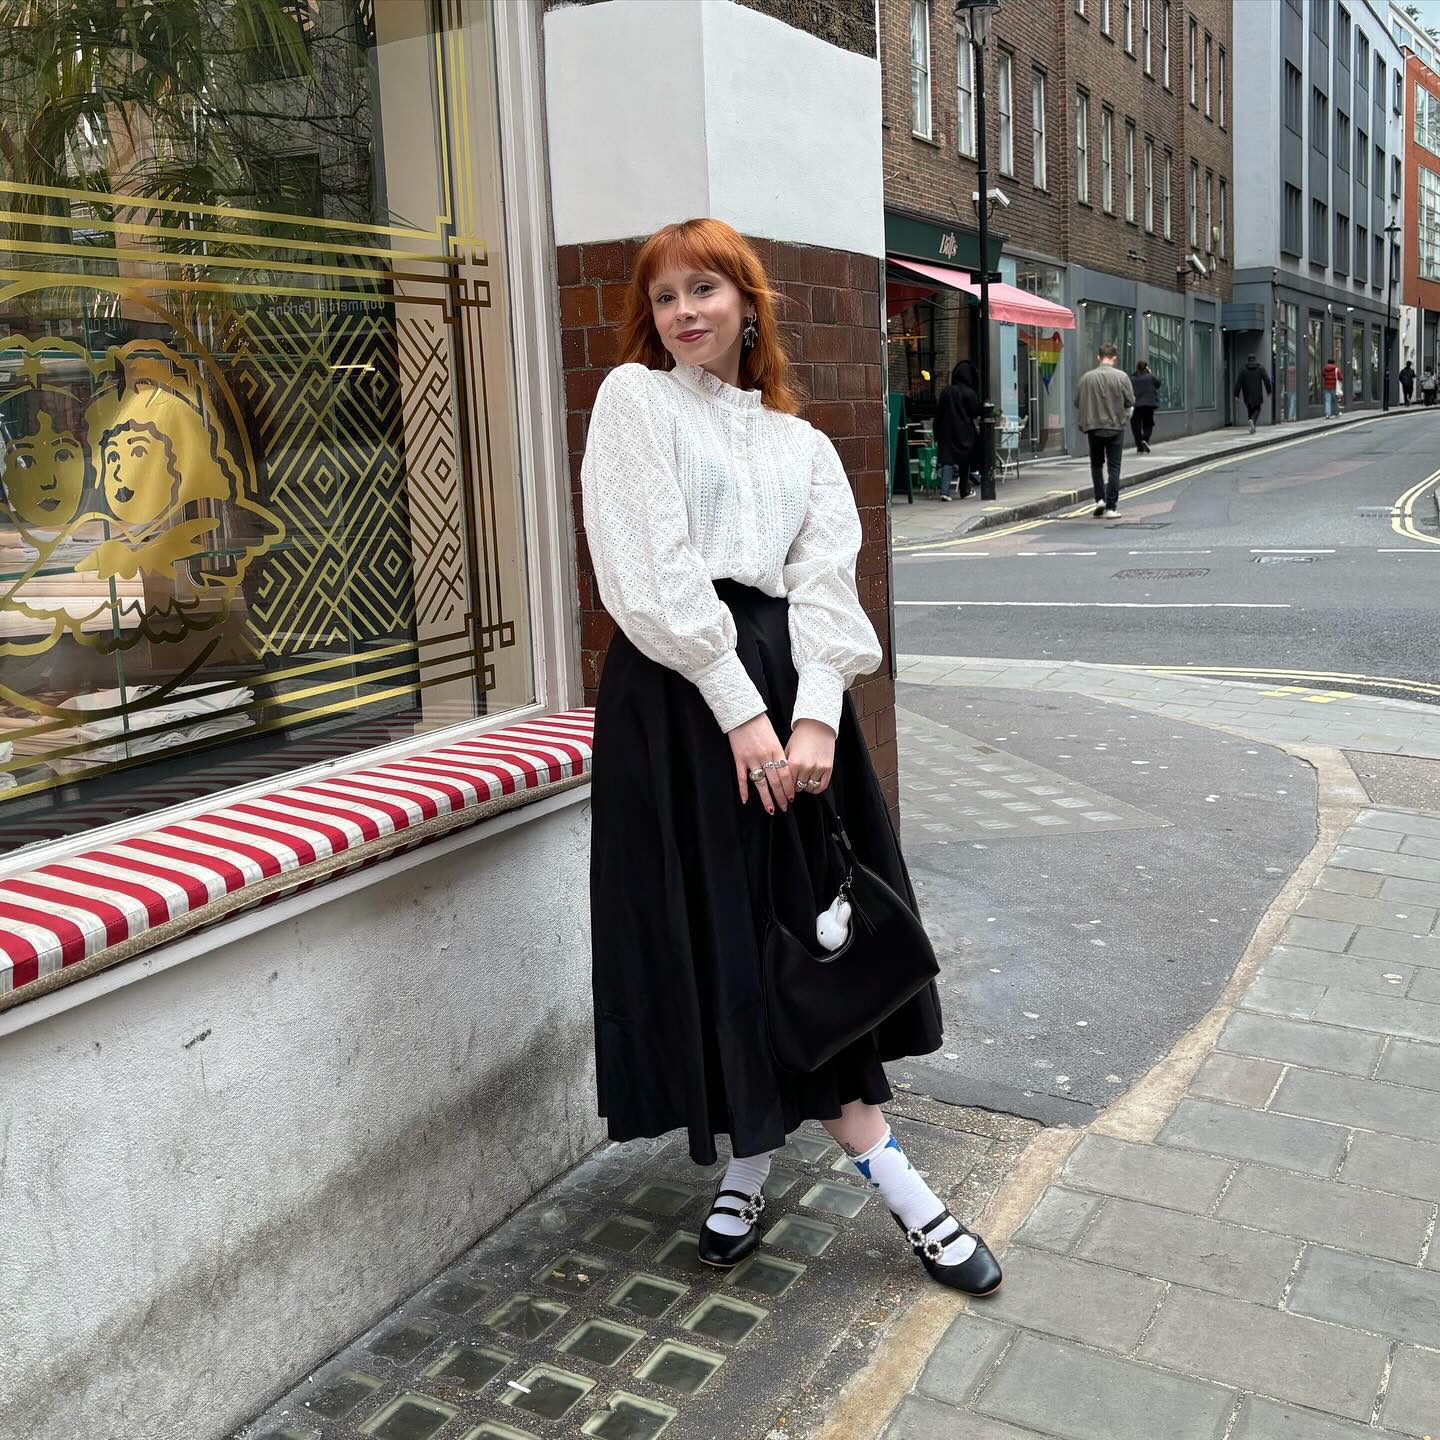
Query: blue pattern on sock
863	1166
891	1143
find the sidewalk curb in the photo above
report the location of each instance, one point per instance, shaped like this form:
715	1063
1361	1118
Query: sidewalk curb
1046	504
866	1405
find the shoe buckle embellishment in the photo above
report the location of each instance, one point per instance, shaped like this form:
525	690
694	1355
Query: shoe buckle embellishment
750	1211
916	1236
934	1249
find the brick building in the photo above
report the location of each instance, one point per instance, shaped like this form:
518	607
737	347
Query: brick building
1084	99
1418	286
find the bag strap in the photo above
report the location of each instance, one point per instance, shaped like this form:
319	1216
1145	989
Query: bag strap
837	833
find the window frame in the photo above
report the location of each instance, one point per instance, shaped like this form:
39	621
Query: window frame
1166	198
1107	159
1039	130
1166	17
964	98
920	73
1130	171
1224	218
1319	120
1146	36
1193	204
1127	10
1082	145
1005	112
1220	77
1149	184
1192	43
1292	100
1209	84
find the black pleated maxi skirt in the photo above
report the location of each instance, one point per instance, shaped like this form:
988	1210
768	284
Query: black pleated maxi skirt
677	904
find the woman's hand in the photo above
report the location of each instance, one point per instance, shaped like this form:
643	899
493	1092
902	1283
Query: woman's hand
811	754
755	746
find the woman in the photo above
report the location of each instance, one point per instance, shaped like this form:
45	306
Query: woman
956	416
1147	399
724	536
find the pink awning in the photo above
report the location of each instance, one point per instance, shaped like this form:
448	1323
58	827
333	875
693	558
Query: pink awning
1007	302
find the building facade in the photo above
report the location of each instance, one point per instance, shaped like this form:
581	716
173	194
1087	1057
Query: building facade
1420	272
1319	86
1109	129
300	327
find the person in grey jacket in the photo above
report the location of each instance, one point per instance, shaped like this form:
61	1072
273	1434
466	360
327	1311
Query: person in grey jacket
1104	399
1147	387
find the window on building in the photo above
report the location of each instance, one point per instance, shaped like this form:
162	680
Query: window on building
1395	178
1362	60
1428	196
1107	160
1079	7
1109	325
1039	145
1319	233
1221	80
1104	17
1165	350
1208	84
1342	35
1130	170
1210	237
1165	195
1145	35
1224	246
1342	141
920	67
1005	104
1377	264
1127	12
1165	19
1192	41
1379	79
1314	357
1193	194
303	559
1427	119
1377	175
1362	254
1341	261
1291	98
1320	18
1362	157
1202	364
1149	184
964	94
1290	211
1082	147
1399	88
1319	121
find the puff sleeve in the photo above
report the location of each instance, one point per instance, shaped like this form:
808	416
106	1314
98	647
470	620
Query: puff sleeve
831	638
652	579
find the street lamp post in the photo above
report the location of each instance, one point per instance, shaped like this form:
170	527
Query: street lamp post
1391	231
976	16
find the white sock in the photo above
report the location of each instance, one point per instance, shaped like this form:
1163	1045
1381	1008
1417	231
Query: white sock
904	1190
746	1175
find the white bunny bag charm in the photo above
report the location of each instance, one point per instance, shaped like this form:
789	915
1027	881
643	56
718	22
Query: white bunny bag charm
832	926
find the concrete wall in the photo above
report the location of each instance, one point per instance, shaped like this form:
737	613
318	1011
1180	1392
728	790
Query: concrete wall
738	116
217	1175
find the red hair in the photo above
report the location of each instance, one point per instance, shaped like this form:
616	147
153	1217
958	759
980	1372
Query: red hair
709	245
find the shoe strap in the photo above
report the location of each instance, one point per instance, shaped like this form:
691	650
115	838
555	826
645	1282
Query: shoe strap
925	1230
737	1195
753	1204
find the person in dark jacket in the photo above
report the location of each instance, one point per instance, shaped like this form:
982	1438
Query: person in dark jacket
1253	386
1146	385
1407	381
957	434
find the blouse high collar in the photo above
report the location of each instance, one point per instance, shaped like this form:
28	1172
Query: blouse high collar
702	382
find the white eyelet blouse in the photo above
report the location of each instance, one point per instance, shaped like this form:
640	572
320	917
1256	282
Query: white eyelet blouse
687	480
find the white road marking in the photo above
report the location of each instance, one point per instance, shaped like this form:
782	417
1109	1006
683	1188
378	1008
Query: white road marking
1405	550
1291	552
1102	604
1170	552
1033	553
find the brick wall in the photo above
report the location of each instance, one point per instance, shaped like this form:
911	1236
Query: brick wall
1069	49
831	315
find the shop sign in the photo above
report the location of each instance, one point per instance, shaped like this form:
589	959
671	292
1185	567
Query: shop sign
940	244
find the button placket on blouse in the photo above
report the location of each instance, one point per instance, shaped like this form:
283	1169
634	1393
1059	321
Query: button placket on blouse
742	431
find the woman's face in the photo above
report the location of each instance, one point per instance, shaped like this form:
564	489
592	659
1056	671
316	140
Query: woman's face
698	315
138	472
45	475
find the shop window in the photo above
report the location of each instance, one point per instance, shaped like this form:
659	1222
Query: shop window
1314	355
1165	350
260	494
1108	325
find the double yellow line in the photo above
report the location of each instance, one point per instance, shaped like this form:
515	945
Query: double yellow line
1404	522
1240	672
1135	492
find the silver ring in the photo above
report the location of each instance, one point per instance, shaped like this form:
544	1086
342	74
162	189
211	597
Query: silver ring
776	764
802	784
757	774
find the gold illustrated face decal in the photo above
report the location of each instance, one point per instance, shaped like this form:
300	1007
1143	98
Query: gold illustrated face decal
153	504
44	475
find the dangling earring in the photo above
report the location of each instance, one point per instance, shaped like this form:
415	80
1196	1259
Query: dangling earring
750	333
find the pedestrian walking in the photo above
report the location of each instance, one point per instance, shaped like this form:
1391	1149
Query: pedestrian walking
1253	385
1329	379
1147	386
730	765
1407	380
1104	399
1427	385
957	434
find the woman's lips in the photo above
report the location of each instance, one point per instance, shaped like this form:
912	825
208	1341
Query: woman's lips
688	337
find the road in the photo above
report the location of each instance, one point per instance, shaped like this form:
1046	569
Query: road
1287	560
1075	955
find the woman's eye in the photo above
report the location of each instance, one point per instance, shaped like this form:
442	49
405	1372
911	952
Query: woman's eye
702	288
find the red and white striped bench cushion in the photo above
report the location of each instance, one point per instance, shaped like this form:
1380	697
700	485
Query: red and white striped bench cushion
59	914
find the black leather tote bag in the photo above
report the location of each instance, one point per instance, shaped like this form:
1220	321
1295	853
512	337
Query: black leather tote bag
818	1001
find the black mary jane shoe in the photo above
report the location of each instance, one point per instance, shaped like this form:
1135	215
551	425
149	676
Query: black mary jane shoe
979	1275
727	1251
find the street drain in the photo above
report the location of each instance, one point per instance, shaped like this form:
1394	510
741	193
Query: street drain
1284	559
1158	574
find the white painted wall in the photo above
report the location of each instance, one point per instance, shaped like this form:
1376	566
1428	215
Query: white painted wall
660	110
214	1178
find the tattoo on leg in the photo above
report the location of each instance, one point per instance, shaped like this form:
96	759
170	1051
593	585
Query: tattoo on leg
851	1150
